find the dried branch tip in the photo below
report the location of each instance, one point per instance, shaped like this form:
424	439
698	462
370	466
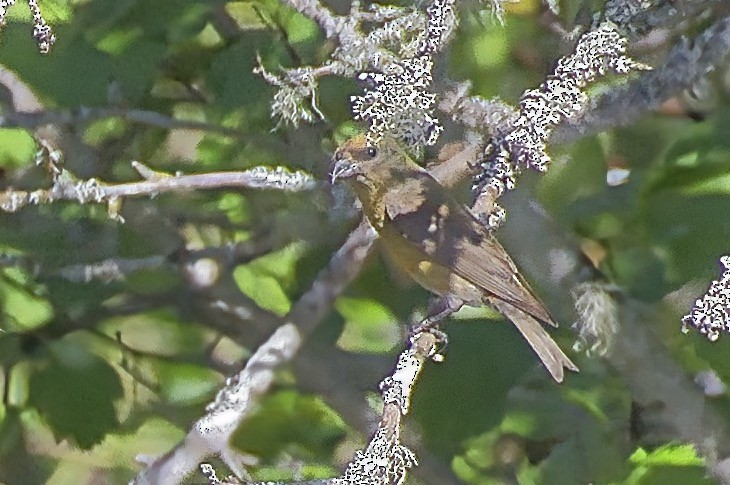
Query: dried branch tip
597	323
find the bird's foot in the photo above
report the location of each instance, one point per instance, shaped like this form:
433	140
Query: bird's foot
431	327
438	310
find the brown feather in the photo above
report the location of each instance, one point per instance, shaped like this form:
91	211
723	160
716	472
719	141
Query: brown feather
544	346
447	233
440	244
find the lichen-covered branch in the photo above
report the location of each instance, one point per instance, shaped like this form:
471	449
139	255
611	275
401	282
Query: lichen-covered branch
710	314
296	98
476	113
42	32
522	143
638	17
597	319
385	460
66	187
687	62
398	99
393	60
210	434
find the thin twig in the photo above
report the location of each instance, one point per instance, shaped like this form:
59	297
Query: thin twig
91	190
81	116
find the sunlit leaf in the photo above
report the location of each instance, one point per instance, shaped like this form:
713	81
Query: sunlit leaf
668	455
24	308
16	147
677	463
184	384
263	280
369	326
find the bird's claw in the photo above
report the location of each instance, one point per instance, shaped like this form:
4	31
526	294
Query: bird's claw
430	327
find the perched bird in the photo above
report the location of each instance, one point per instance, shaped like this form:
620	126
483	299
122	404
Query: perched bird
439	243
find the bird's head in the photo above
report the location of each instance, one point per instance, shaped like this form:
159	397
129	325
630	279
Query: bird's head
360	161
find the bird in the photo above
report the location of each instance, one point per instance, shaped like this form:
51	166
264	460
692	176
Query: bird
439	243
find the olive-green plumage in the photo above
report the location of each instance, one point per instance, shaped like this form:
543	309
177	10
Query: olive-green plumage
439	243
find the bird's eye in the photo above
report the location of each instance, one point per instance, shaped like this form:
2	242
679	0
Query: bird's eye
372	152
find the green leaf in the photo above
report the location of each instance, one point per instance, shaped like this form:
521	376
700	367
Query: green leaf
185	384
640	270
54	11
235	206
84	85
17	147
264	279
75	392
11	432
691	232
671	463
369	326
245	15
301	29
24	309
152	281
554	434
583	175
483	361
490	49
288	420
116	41
231	78
277	473
158	332
265	290
694	176
668	455
719	184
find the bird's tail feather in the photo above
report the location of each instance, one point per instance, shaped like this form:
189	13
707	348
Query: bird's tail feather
539	339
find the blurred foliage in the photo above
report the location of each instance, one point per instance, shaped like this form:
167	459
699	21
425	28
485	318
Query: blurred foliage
95	373
291	423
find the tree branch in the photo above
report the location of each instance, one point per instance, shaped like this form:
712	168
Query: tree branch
66	187
83	115
687	62
211	433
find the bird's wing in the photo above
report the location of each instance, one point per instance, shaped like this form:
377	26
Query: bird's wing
423	213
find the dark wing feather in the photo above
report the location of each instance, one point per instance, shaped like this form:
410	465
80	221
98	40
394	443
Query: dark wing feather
424	214
544	346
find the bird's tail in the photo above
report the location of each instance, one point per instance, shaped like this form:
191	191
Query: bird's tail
538	338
